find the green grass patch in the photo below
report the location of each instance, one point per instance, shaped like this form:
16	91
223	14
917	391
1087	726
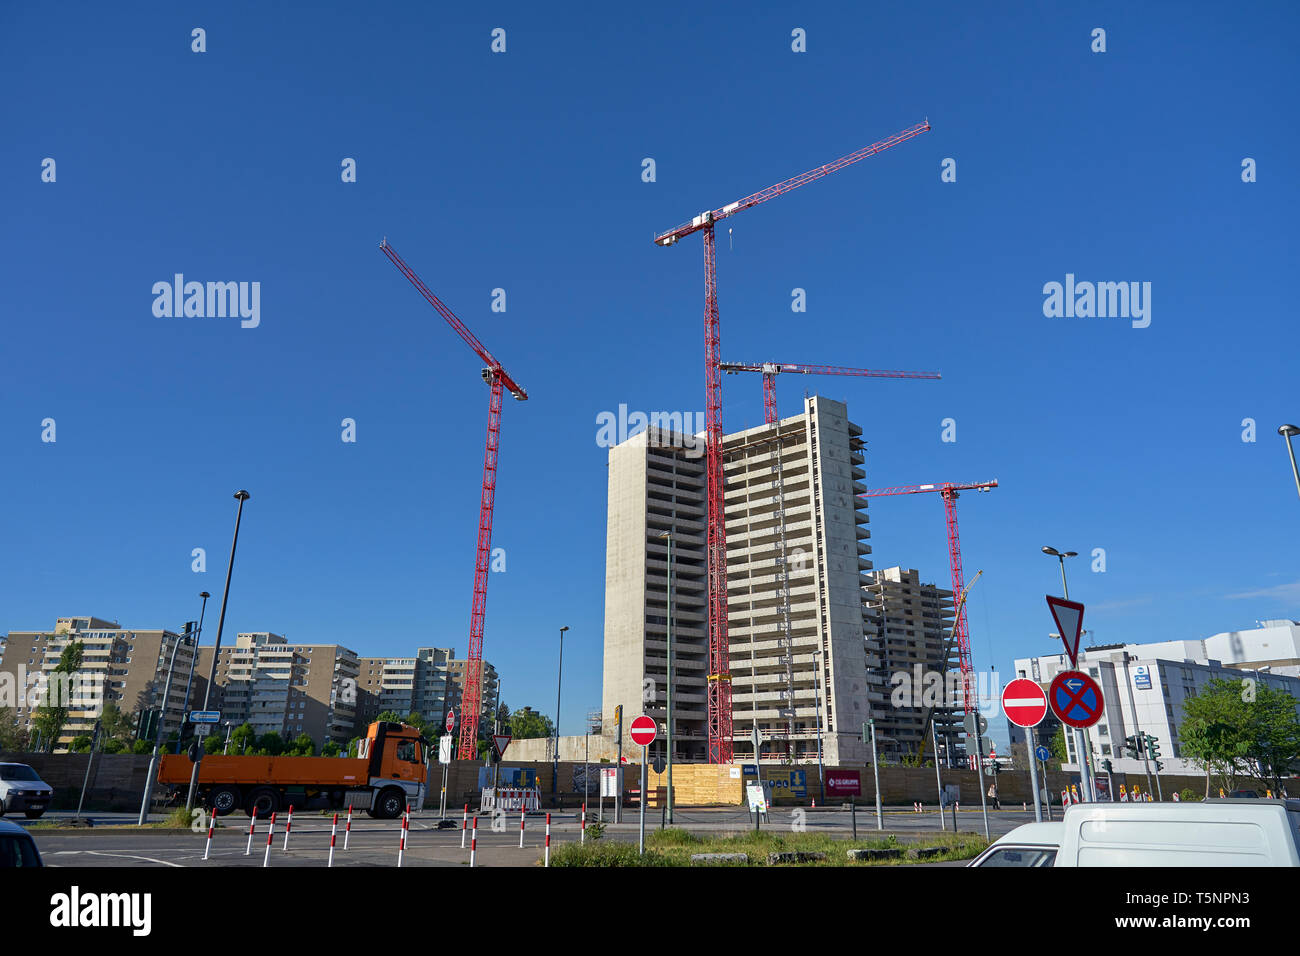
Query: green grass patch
675	846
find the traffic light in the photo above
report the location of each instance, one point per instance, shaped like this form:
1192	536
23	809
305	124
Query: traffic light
1159	766
148	726
1153	747
1106	765
1133	746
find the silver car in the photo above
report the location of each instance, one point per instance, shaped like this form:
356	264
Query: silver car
21	788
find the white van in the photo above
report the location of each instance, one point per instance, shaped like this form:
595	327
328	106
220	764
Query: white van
1212	833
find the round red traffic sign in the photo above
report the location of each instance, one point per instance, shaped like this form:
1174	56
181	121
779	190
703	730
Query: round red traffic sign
1076	699
643	731
1024	702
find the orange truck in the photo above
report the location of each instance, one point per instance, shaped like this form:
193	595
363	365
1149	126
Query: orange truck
388	772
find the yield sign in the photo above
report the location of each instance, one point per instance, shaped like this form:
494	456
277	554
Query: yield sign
501	742
1075	698
1069	624
1024	702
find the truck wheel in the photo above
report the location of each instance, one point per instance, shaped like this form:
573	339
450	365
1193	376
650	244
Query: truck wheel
223	800
264	800
390	804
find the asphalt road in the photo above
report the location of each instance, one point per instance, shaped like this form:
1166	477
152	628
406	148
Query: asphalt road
375	842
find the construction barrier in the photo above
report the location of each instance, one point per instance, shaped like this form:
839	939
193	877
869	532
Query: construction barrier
510	799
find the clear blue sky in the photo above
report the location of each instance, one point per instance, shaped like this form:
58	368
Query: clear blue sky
523	171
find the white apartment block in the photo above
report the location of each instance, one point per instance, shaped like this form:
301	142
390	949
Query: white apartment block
288	689
125	665
797	554
404	684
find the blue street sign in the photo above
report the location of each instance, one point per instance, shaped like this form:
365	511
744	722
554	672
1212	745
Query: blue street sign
205	716
749	769
1042	753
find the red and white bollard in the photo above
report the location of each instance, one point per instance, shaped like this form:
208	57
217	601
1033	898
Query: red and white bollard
473	844
583	838
333	833
548	839
212	819
266	860
347	830
401	845
464	825
522	815
288	825
251	823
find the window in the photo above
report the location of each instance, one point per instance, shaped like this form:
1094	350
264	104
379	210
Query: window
1035	856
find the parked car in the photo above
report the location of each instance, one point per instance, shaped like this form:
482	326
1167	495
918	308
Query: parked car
17	848
21	788
1225	832
1034	844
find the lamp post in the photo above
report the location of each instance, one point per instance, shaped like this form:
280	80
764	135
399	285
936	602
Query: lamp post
555	765
1287	432
1085	776
241	496
669	680
821	777
189	681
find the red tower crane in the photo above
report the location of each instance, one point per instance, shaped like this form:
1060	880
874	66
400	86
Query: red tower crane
949	492
498	379
771	370
719	677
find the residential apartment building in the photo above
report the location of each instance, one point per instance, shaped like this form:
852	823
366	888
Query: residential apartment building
1144	687
910	654
797	556
125	665
289	689
404	684
489	691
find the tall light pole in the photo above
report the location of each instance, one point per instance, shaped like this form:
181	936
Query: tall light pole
555	766
1085	776
189	681
821	777
669	734
241	496
1288	432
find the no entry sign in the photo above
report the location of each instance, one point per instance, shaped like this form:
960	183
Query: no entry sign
1075	698
643	731
1024	702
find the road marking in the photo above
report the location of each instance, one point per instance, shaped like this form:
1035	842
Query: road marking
129	856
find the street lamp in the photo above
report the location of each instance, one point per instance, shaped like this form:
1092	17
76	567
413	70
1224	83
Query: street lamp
241	496
1287	432
555	765
1078	735
669	671
821	777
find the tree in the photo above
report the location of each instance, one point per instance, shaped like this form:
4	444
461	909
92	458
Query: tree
115	725
242	738
14	737
331	749
1217	732
212	744
528	724
1058	744
302	746
390	717
111	745
80	744
50	718
270	744
1274	745
354	745
142	747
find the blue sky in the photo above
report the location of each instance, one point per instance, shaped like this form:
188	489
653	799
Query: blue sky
522	171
